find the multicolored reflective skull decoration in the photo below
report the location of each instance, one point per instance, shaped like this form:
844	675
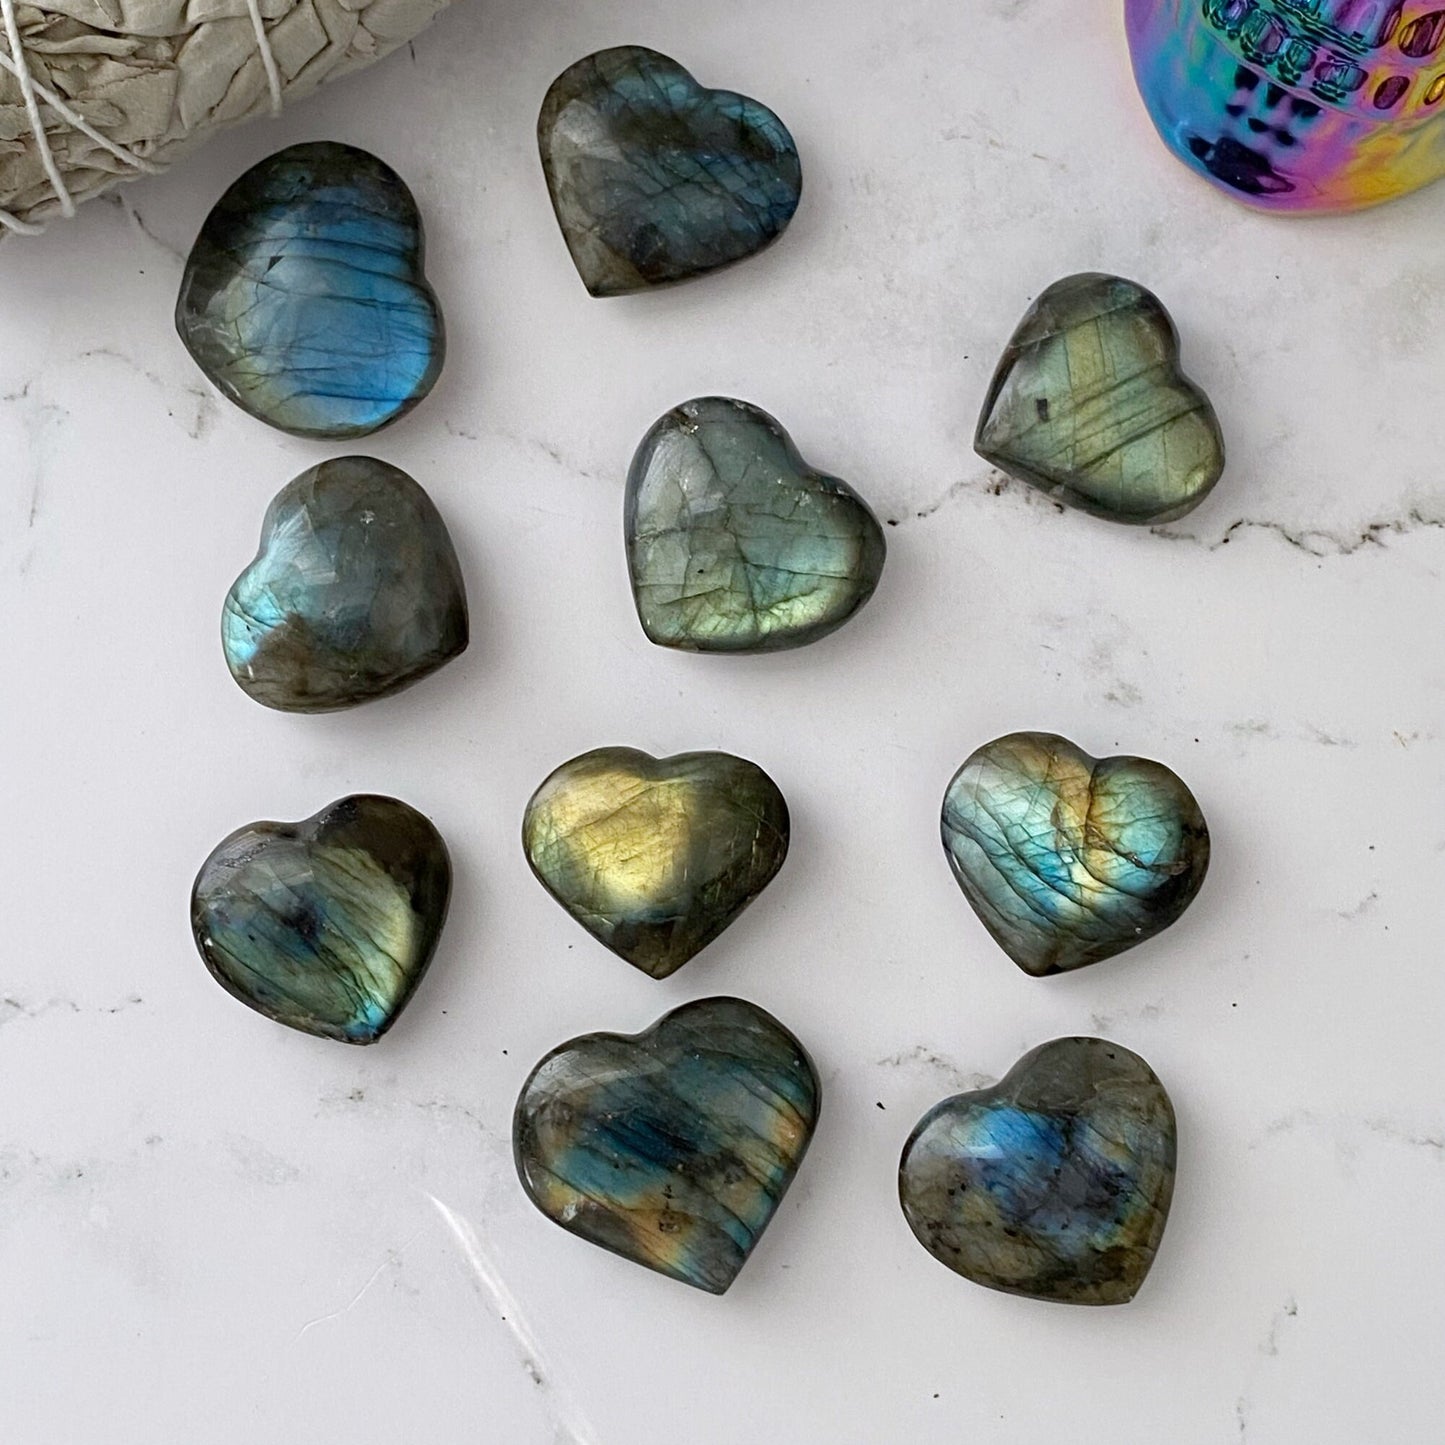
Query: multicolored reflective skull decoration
1297	105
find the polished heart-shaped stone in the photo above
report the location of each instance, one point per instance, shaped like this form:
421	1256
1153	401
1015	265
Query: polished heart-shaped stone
673	1147
355	593
734	543
656	857
1055	1183
1070	859
304	298
654	178
326	925
1089	405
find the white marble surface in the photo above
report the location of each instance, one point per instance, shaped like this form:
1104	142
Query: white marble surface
213	1230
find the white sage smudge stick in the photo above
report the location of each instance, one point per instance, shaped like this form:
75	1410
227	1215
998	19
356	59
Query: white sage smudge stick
93	92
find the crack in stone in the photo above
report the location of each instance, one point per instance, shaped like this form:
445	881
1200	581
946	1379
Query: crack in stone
1268	1349
1318	542
920	1056
12	1008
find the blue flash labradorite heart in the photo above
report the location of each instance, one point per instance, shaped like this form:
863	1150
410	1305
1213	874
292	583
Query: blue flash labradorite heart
1054	1183
736	544
673	1147
654	178
1089	404
356	592
327	925
656	857
304	299
1070	859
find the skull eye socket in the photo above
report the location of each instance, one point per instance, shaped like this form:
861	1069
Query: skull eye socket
1423	35
1391	92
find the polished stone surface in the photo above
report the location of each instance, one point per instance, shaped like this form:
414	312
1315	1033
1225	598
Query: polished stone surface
304	298
1055	1183
995	613
355	593
656	857
734	543
326	925
673	1147
1090	405
1069	859
657	179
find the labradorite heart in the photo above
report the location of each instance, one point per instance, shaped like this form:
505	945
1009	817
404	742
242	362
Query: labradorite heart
656	857
1089	404
734	543
304	298
654	178
1054	1183
326	925
1069	859
356	592
673	1147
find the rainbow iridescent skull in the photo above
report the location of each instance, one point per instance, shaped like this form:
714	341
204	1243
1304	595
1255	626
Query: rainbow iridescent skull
1297	105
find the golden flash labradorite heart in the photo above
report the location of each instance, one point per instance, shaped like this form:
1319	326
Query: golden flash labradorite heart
656	857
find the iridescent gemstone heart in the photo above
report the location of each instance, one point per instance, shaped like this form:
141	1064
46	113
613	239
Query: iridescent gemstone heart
1089	405
304	298
355	593
1055	1183
1069	859
656	179
1297	106
655	858
326	925
673	1147
735	543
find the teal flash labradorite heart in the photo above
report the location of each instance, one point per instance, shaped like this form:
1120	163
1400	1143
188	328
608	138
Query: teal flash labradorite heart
656	857
1090	406
1054	1183
734	543
654	178
304	298
356	592
327	925
674	1147
1070	859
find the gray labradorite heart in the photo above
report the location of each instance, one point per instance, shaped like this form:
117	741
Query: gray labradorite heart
327	925
1090	406
1054	1183
656	857
673	1147
356	592
304	298
654	178
734	543
1069	859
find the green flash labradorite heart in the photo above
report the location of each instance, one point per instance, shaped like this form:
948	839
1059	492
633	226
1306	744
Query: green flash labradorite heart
734	543
673	1147
1089	405
327	925
355	594
1069	859
656	857
1054	1183
656	179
